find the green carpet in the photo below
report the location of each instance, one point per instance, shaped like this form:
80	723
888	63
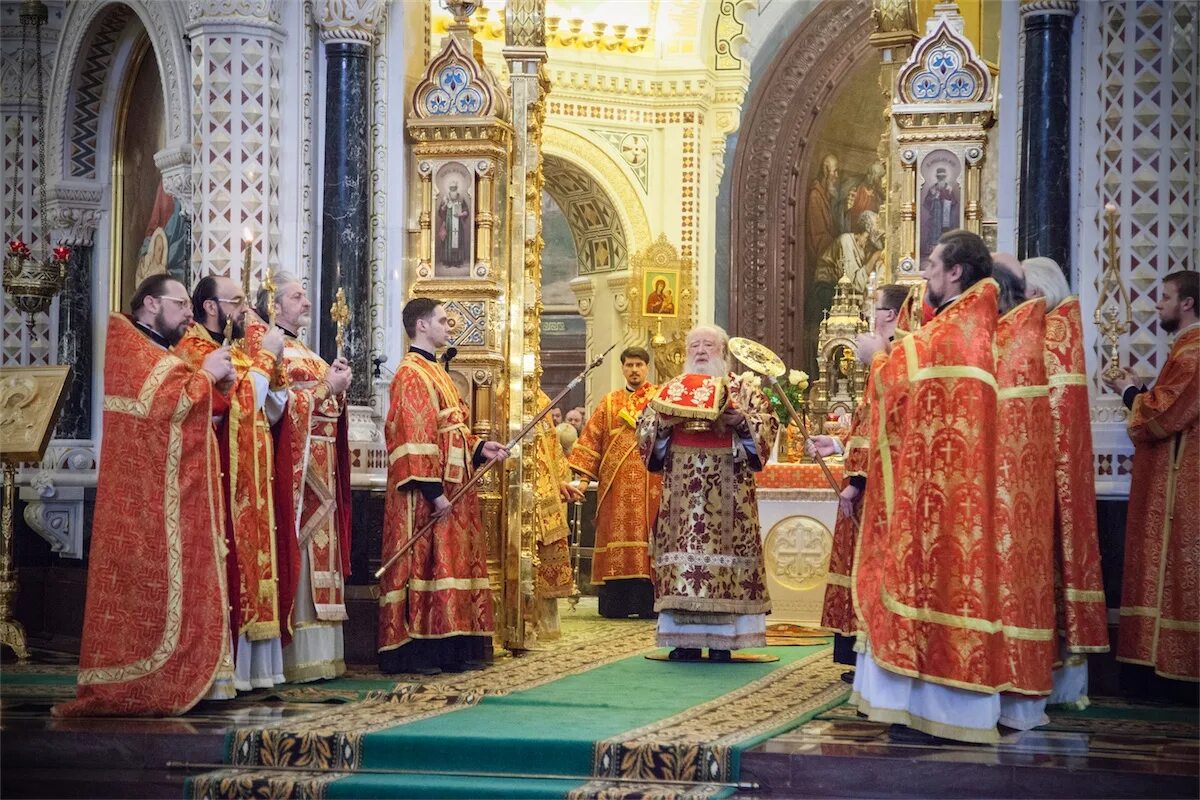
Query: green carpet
633	718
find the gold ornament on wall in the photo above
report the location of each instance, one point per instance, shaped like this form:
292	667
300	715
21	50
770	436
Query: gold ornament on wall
662	298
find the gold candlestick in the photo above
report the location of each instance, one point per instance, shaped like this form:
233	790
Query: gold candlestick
268	286
247	242
1111	298
340	313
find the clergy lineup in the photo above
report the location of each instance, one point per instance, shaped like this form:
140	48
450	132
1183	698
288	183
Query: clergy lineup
964	583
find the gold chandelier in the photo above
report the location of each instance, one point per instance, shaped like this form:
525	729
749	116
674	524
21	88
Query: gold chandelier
31	281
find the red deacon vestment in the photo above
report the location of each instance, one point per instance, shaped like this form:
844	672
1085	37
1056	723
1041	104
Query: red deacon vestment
155	630
1079	593
1160	593
440	587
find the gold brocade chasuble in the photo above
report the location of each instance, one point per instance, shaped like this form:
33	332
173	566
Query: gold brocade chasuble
707	546
1160	589
440	588
1079	589
247	484
1025	497
627	497
320	476
837	614
927	568
155	627
553	576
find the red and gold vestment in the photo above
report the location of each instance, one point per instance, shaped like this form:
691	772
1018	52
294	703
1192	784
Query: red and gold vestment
1079	589
927	566
553	577
1160	591
1025	498
247	453
155	629
627	496
440	587
708	555
837	614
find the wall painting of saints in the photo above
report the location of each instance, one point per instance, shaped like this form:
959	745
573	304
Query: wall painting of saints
153	234
941	198
454	221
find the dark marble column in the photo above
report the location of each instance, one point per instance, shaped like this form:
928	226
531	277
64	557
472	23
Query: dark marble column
75	345
345	212
1045	210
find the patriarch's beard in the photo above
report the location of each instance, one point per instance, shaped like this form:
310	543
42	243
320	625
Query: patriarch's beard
716	367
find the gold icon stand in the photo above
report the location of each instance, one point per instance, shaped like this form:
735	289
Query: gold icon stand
30	401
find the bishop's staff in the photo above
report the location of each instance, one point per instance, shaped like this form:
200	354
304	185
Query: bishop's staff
763	361
479	473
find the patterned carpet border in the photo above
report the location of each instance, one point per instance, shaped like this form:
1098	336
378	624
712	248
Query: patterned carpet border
235	783
699	743
332	738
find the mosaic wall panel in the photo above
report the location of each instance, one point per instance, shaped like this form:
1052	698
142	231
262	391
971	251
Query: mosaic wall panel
634	149
21	218
89	90
235	166
599	236
1148	159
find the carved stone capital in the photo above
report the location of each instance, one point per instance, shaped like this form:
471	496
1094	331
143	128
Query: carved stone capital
264	13
585	294
354	21
175	165
56	514
74	212
1067	8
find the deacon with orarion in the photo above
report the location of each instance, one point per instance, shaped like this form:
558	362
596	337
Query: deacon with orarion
156	625
312	478
219	307
927	585
627	495
837	612
1080	608
435	601
708	432
1160	595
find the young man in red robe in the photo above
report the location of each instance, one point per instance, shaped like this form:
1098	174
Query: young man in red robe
1160	598
155	628
435	601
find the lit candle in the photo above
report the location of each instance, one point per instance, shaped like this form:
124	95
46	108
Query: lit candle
247	246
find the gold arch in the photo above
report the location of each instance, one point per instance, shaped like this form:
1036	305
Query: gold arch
597	162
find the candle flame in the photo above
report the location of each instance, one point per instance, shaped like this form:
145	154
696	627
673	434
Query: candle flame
247	236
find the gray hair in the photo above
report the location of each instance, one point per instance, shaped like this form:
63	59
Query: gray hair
715	330
1045	277
263	302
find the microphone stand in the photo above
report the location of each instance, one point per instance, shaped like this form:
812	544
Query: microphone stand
492	462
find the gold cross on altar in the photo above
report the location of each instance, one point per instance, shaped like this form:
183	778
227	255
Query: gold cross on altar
339	312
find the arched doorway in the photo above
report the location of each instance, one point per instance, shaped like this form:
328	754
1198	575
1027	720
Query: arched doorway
810	101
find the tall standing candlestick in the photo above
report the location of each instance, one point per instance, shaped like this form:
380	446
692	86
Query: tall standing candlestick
268	286
247	249
340	313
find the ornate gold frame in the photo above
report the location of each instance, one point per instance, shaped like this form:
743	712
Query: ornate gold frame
665	334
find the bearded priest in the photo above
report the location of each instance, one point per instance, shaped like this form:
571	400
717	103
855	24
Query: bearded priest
708	432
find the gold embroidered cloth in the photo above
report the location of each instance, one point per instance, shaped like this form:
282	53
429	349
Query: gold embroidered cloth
1079	593
247	483
927	573
155	628
707	547
440	587
627	496
1160	590
553	577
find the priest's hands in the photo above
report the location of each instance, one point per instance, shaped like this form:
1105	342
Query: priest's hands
824	446
494	450
1123	381
272	341
868	344
731	419
441	507
570	493
219	367
338	376
847	498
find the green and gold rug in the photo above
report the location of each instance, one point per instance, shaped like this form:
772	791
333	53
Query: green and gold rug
593	728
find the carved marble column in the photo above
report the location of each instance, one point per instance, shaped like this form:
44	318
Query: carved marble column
236	63
1044	227
348	32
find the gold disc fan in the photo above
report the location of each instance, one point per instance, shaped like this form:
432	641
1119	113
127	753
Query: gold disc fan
757	357
763	360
